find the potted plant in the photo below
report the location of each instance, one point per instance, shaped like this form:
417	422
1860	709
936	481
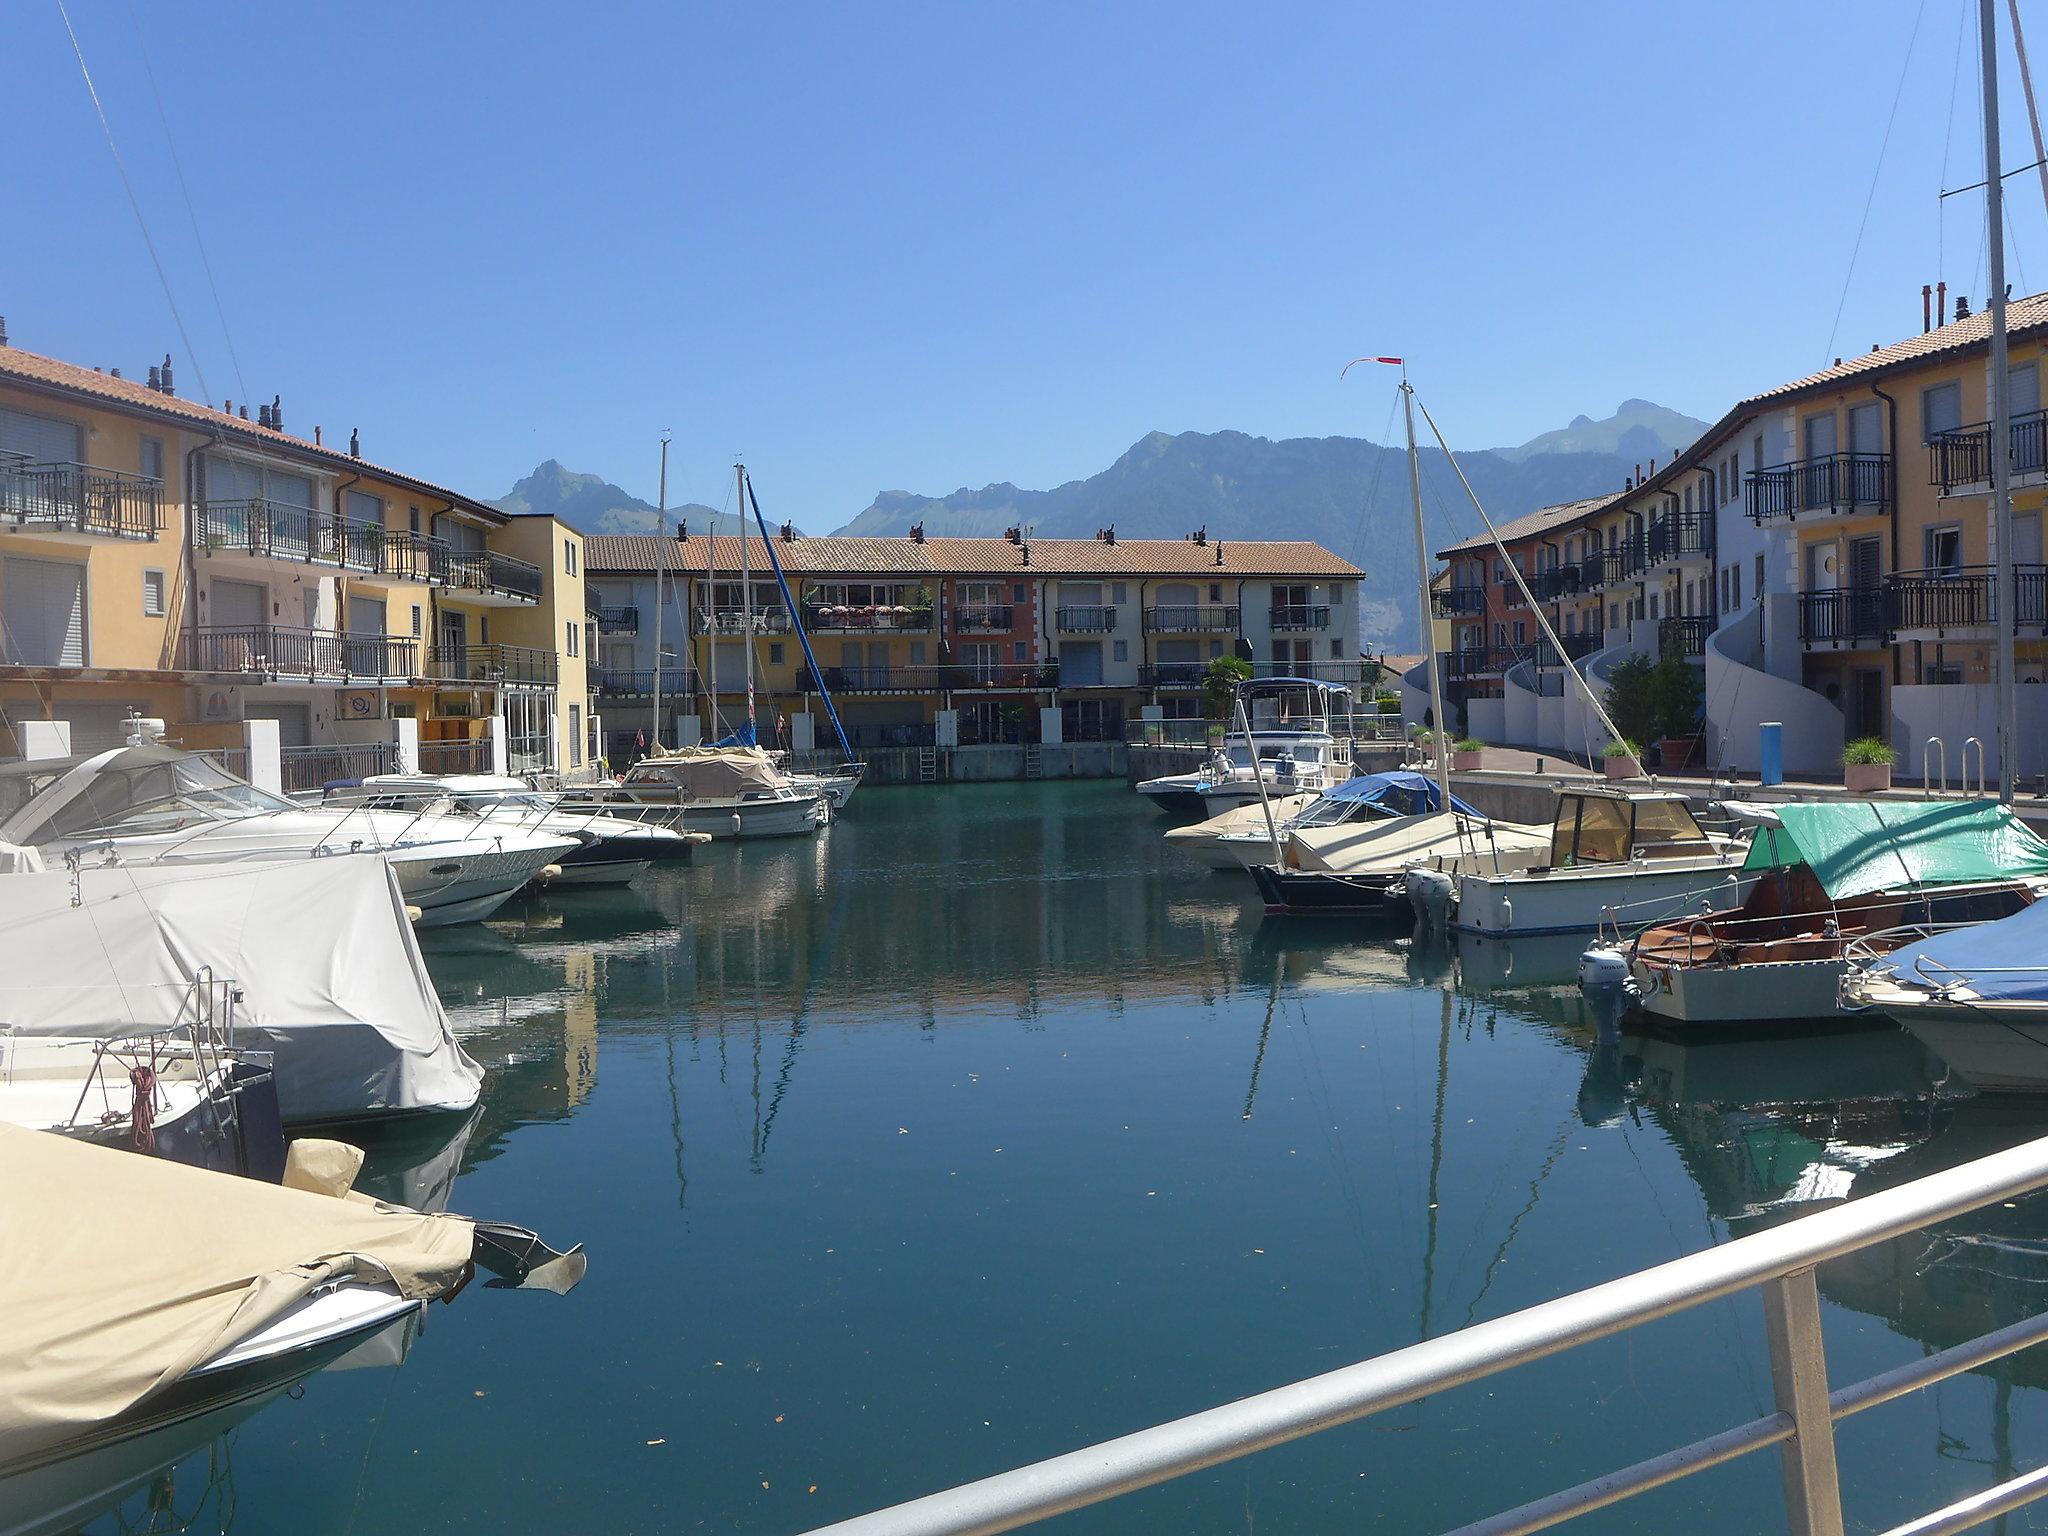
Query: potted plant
1467	755
1867	765
1622	759
1678	698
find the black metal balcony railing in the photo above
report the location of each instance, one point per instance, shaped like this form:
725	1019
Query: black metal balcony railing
1555	582
279	530
1483	661
1844	616
484	570
1189	619
1592	570
1358	671
733	621
617	620
1084	620
273	651
1838	482
1457	600
1965	597
638	682
944	678
1685	635
1576	647
1678	537
80	498
984	618
1963	457
1621	562
1299	616
492	665
1173	674
860	618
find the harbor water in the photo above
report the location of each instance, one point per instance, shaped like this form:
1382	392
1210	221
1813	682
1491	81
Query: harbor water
985	1126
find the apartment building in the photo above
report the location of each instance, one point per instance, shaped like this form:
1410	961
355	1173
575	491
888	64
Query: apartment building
164	558
958	641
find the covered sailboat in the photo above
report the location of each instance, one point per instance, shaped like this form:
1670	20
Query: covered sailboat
330	976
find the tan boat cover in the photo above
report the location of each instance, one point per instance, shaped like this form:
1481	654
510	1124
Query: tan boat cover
712	773
1387	847
120	1273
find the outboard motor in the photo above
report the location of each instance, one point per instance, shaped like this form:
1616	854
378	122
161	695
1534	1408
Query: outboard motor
1605	982
1429	895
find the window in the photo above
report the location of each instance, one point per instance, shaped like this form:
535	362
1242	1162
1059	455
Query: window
153	457
1941	672
1018	651
917	653
774	652
1521	632
569	635
1944	547
568	557
1122	650
1215	592
1336	593
1614	615
1500	573
1655	598
1500	636
413	522
1735	586
415	606
575	735
1336	646
1215	649
1941	410
1759	589
1017	592
153	594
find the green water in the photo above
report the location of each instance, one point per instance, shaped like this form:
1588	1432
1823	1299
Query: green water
985	1126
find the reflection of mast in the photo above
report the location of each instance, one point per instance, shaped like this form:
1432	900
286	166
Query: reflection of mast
1564	1135
1436	1157
675	1125
1265	1033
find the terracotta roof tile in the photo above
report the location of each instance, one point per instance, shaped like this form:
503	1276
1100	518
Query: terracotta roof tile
130	394
1542	520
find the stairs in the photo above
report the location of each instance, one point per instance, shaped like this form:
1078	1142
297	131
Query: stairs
1034	764
927	765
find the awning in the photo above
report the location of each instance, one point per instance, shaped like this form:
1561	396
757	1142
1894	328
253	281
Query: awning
1857	847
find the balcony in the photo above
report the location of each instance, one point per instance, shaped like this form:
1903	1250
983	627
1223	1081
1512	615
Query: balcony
486	576
638	682
1961	460
1943	602
274	653
948	677
1190	619
492	666
1173	674
277	530
1298	616
733	621
1592	570
1848	617
1848	484
1683	536
861	619
617	621
984	619
1555	582
79	499
1576	648
1084	620
1483	661
1355	671
1685	636
1450	602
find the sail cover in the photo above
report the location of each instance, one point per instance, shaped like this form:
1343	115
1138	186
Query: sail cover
1857	847
1402	791
120	1273
2005	960
331	978
717	773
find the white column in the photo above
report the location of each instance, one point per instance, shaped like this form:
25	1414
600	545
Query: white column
689	731
946	727
43	738
266	759
405	735
494	733
1049	726
803	733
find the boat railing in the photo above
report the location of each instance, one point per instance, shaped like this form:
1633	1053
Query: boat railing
1872	949
1652	910
1779	1262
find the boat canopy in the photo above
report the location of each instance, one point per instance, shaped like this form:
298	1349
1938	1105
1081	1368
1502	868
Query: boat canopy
125	1273
2005	960
718	773
1857	847
135	789
1402	791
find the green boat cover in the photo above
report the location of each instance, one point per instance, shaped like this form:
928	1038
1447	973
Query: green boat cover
1857	847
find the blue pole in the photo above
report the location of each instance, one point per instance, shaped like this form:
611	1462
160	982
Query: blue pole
1771	752
795	618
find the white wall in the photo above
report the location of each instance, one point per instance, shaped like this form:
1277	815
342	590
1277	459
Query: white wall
1741	696
1957	711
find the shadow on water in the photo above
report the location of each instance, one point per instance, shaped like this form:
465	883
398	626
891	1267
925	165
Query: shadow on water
985	1125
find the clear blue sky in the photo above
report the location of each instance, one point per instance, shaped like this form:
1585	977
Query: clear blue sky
894	246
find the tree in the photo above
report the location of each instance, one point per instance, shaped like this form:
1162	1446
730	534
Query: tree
1676	695
1630	703
1219	685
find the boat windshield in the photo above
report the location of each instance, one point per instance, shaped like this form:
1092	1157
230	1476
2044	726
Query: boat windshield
1667	826
138	790
1590	829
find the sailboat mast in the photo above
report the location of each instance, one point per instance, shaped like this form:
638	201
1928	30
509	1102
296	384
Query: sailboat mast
746	593
660	560
710	622
2001	411
1436	685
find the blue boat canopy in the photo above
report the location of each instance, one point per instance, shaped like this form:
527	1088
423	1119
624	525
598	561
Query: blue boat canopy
2007	959
1402	791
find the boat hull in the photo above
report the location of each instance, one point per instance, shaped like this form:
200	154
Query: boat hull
1738	996
1320	890
1997	1050
1579	901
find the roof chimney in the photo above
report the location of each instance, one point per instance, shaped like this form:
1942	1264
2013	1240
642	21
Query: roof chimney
917	533
277	413
355	443
114	373
3	330
245	410
1962	307
683	531
316	435
1926	308
1108	535
1015	534
156	377
262	414
789	533
1025	547
168	387
1201	534
1219	551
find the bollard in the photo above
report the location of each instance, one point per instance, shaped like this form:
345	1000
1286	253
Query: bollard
1771	753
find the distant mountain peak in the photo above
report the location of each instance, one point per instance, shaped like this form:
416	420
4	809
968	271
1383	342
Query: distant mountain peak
1637	427
592	504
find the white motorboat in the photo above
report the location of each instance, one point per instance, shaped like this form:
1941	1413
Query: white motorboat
149	803
113	1369
612	850
1293	735
329	974
720	791
1614	855
1217	841
837	785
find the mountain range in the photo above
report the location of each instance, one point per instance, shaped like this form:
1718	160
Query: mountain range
1346	493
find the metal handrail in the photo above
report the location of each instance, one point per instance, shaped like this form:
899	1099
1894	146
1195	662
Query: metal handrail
1964	773
1780	1260
1927	779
